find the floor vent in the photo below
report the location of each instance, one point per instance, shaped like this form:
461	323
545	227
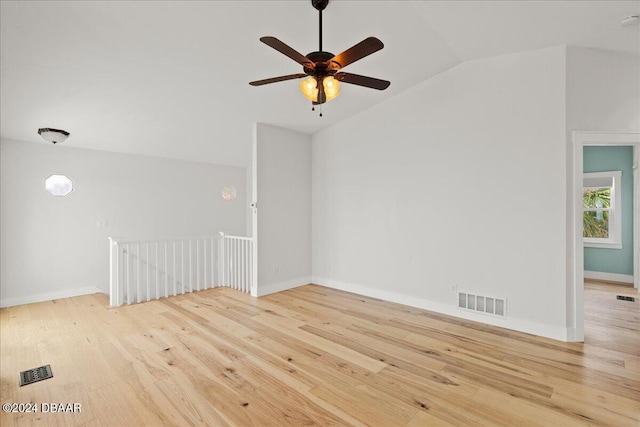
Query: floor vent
625	298
35	374
482	304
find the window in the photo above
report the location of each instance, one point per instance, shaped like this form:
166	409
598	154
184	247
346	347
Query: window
601	205
58	185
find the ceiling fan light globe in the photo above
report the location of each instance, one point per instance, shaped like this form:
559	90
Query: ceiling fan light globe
309	88
331	88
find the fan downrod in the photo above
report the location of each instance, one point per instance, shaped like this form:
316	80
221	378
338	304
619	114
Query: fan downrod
320	4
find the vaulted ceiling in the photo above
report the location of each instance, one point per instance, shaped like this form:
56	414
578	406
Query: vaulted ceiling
170	78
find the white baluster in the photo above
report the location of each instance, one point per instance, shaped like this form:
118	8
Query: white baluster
235	264
147	260
158	273
227	263
138	273
190	269
175	274
127	261
246	261
197	268
250	265
248	258
182	265
115	291
244	265
213	275
221	259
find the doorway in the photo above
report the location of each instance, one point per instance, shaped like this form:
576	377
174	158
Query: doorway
575	255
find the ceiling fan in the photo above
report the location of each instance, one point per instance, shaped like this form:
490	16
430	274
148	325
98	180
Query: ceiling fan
323	68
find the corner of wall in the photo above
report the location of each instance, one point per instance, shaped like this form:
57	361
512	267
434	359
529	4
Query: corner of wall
282	177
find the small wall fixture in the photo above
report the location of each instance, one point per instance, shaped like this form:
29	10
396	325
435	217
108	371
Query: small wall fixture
53	135
58	185
228	193
630	20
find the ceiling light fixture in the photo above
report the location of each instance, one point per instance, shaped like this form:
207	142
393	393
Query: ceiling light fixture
630	20
322	69
53	135
309	88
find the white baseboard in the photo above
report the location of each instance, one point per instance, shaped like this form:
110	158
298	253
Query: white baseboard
282	286
540	329
609	277
49	296
572	335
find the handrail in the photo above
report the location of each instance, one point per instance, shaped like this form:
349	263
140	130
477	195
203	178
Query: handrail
237	237
122	241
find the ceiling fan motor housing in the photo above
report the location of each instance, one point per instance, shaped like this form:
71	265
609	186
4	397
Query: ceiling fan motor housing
323	65
320	4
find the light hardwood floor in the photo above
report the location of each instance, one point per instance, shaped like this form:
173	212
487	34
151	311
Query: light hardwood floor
315	356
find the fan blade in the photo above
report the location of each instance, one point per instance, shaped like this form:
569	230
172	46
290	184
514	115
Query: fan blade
356	79
365	48
287	50
277	79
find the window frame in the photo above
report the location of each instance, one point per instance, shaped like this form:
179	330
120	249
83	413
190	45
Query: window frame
614	241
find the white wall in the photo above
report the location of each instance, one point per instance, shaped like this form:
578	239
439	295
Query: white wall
51	246
603	90
459	181
283	193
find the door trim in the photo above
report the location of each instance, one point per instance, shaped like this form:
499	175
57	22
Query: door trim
575	247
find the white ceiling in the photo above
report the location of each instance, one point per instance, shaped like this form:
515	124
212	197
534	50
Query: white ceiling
170	78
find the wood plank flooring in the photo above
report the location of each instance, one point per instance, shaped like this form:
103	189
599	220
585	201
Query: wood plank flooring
314	356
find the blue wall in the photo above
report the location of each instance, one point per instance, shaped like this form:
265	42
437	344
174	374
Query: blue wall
603	159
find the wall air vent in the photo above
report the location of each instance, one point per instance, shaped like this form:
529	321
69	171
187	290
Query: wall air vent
482	304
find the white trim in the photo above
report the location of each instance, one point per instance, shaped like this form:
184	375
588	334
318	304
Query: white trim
615	212
549	331
606	138
572	335
282	286
588	243
575	247
253	206
609	277
636	217
50	296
